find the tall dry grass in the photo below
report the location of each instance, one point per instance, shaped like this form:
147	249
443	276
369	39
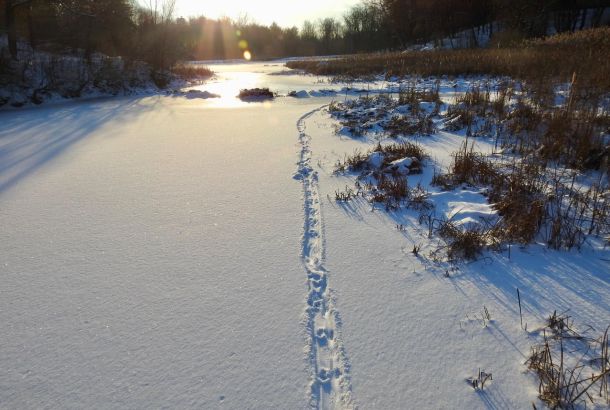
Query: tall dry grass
192	72
559	57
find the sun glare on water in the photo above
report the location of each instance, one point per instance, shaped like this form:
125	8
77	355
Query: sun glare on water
230	79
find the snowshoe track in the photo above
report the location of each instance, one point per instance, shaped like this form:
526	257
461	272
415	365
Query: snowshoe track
329	368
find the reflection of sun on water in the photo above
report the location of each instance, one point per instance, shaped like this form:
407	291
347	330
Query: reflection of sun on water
228	87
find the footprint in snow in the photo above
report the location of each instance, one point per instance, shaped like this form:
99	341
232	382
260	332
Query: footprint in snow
324	335
319	285
326	375
315	303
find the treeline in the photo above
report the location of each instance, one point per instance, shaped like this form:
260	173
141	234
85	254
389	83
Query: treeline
149	31
113	27
411	21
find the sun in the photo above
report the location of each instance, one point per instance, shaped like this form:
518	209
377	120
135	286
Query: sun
284	13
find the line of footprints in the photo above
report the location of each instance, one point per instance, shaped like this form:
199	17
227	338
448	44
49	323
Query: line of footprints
324	337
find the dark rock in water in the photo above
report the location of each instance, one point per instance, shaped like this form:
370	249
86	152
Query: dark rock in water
256	93
192	94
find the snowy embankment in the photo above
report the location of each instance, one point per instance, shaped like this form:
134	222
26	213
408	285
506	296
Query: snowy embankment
419	329
38	77
190	253
415	331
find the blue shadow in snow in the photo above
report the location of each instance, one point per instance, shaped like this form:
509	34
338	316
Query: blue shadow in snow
32	137
548	280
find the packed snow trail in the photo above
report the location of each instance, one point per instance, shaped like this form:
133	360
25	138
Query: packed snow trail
329	367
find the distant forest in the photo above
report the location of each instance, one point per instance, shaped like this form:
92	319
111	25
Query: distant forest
150	31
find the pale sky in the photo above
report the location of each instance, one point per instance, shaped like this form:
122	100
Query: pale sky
286	13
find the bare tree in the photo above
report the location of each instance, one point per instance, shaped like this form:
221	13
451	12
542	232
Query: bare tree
161	11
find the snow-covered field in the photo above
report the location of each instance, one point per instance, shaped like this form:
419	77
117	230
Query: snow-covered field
179	252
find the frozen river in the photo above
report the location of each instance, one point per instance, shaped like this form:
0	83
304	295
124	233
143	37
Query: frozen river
182	252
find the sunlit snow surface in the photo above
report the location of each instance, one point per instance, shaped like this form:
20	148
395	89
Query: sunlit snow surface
151	256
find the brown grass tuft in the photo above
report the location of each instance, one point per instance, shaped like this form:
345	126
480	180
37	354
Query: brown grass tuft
192	72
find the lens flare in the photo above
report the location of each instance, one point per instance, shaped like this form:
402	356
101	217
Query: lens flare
243	44
247	55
